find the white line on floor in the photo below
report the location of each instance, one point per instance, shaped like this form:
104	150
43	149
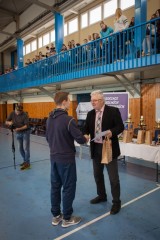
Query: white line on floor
104	215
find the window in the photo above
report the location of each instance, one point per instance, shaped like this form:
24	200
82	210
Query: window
28	48
34	45
84	20
95	15
39	42
126	4
73	25
65	29
109	8
53	36
45	39
24	50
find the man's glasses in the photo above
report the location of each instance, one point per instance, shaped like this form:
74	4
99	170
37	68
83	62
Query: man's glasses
95	100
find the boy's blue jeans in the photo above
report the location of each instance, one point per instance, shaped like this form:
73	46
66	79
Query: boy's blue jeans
23	139
63	178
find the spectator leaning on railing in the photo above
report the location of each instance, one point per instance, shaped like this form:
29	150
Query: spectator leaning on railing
105	30
148	41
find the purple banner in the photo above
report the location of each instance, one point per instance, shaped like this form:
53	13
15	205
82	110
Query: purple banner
119	100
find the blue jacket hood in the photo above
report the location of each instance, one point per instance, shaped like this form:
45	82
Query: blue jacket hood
58	112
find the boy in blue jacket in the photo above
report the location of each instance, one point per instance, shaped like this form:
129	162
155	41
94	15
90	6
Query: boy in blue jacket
61	131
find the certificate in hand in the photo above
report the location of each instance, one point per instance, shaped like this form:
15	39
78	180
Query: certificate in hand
99	135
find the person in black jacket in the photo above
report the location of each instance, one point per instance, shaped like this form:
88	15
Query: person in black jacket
111	122
61	131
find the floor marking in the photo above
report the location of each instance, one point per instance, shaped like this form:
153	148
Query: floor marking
104	215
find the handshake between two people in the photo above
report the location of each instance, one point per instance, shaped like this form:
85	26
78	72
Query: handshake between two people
87	137
107	134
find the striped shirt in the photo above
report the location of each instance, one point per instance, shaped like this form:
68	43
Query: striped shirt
97	112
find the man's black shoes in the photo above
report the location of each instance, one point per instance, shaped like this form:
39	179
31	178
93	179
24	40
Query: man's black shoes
98	199
115	209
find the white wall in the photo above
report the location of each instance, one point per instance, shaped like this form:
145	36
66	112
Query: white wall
36	99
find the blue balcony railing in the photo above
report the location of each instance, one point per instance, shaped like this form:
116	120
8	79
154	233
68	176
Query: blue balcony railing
136	47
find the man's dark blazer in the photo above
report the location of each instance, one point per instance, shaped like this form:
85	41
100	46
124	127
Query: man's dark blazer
112	121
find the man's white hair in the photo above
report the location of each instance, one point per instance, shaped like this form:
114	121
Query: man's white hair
97	92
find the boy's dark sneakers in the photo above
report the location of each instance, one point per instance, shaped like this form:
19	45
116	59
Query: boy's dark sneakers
25	166
72	221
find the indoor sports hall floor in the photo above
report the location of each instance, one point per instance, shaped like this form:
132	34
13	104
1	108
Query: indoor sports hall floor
25	199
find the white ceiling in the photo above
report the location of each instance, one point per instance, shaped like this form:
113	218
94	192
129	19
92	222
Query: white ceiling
26	18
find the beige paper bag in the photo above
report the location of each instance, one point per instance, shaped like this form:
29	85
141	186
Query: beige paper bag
106	151
141	136
127	135
148	137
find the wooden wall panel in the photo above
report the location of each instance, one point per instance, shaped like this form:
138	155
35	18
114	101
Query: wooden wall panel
38	110
9	109
134	110
145	106
42	109
3	112
72	110
149	94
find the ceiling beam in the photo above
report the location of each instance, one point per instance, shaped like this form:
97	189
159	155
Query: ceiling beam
132	85
52	9
9	13
126	87
11	97
69	5
9	34
45	92
73	11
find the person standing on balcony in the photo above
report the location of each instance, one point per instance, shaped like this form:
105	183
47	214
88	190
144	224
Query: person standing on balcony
120	24
131	32
104	118
18	122
96	46
148	41
61	131
106	44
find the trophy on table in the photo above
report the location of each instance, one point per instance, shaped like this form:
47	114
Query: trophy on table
128	122
141	131
128	132
158	124
142	124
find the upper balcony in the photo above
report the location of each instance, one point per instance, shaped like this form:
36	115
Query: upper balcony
131	50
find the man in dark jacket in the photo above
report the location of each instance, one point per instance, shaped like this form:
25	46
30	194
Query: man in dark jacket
61	131
104	118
